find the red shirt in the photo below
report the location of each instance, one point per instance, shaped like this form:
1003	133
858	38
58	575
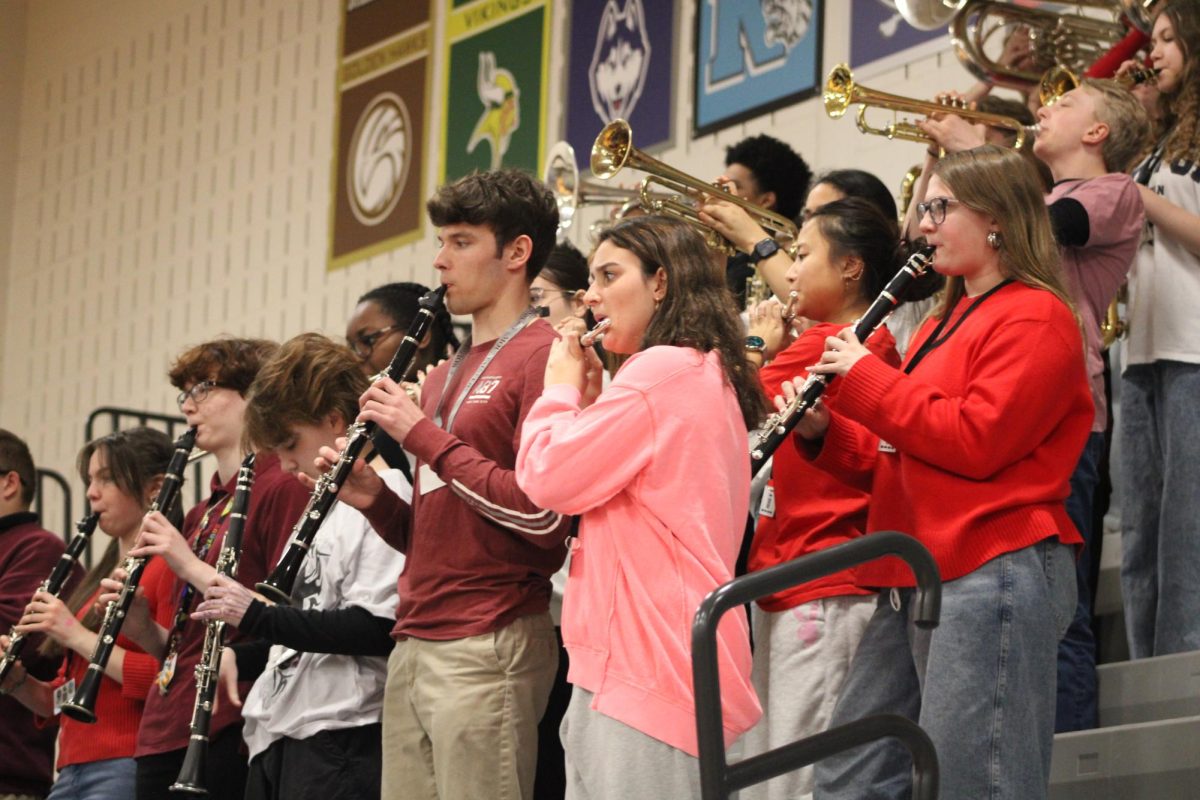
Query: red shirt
276	502
479	553
118	705
813	510
972	453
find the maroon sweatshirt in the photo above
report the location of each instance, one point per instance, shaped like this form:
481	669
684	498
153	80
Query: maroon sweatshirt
479	553
28	553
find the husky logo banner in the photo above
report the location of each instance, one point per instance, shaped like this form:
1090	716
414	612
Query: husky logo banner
383	94
620	65
494	91
753	56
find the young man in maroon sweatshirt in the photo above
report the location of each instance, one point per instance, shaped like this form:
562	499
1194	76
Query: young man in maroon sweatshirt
475	652
28	553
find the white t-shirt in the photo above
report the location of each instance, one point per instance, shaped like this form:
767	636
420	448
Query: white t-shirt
1164	284
300	694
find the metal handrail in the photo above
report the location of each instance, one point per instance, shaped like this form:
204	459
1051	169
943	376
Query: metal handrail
65	526
717	777
173	425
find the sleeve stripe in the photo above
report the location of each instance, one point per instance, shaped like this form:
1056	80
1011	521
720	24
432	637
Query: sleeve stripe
536	524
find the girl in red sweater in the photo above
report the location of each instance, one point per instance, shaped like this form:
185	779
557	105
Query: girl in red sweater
968	448
123	472
806	636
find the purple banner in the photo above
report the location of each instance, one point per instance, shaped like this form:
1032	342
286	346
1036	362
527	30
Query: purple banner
878	31
620	65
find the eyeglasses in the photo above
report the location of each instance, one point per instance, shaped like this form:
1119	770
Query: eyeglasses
936	209
537	294
363	344
198	393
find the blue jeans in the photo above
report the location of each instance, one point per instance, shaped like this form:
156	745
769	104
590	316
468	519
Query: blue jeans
1077	692
111	779
981	684
1160	507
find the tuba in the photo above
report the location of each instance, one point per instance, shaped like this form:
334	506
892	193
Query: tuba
841	92
613	151
981	27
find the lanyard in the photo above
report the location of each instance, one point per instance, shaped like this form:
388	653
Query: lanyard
936	340
461	356
1145	171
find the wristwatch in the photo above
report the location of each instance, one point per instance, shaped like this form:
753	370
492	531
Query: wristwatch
755	344
764	249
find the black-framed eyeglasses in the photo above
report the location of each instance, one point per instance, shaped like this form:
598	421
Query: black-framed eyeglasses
363	344
936	208
537	294
198	393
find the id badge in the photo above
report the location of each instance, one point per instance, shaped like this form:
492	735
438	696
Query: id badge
766	508
885	447
166	674
428	480
63	694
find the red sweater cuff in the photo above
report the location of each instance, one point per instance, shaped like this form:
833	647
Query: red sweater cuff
137	675
864	386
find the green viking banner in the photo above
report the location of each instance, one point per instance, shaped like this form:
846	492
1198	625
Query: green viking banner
380	144
497	55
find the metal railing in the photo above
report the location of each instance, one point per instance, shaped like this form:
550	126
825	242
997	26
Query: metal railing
63	524
718	778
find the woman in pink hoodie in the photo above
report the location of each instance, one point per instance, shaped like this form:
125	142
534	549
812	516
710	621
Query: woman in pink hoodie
657	468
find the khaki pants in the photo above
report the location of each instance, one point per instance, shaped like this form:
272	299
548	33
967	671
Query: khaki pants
460	717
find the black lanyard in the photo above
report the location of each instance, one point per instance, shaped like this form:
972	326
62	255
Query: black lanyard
461	356
936	339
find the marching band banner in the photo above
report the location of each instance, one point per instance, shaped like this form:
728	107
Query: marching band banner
383	95
620	65
754	56
497	61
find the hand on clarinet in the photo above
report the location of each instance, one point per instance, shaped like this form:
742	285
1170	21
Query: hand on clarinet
139	625
841	353
389	405
226	600
159	537
47	614
16	674
815	421
362	485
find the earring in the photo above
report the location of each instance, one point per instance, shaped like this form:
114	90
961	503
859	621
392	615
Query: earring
993	240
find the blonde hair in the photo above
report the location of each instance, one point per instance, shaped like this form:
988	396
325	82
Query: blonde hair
1002	184
1127	121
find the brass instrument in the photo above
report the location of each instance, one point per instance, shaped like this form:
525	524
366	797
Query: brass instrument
1073	40
613	151
841	92
756	290
1114	326
195	759
561	175
907	187
927	15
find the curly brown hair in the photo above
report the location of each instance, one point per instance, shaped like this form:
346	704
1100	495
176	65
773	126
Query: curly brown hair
698	310
309	377
229	362
1180	117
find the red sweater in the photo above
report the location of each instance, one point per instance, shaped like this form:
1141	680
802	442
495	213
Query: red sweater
276	502
813	510
118	705
479	553
28	553
972	453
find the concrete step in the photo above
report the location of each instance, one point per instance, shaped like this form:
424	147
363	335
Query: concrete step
1108	585
1165	687
1144	761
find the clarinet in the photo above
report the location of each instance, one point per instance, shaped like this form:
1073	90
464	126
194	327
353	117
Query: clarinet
191	774
780	424
278	586
53	584
83	706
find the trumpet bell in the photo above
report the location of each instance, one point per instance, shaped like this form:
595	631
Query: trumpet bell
612	148
561	175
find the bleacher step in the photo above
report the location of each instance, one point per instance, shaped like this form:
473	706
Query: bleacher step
1144	761
1160	688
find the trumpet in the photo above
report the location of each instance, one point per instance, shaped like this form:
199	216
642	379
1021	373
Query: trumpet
841	92
613	151
561	175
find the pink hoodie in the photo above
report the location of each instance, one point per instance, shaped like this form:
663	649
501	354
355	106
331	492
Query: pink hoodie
658	468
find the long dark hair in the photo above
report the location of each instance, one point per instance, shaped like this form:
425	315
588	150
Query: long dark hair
1181	110
697	311
134	458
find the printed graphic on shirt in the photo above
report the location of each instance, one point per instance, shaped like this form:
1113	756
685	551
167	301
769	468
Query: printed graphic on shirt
483	389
